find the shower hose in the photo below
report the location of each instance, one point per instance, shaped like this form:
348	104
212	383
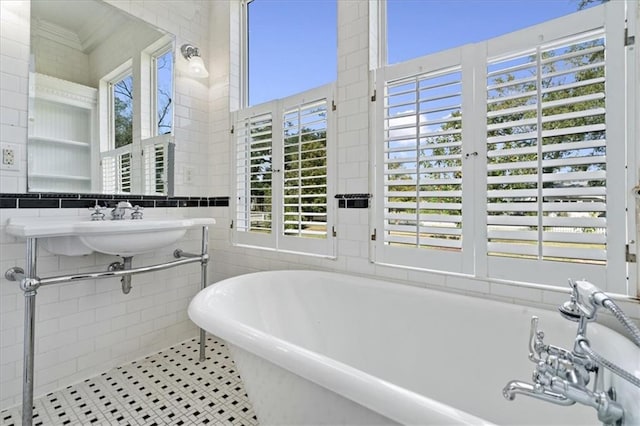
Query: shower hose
633	331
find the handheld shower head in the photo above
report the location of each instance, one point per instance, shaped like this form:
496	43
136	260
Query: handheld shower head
569	310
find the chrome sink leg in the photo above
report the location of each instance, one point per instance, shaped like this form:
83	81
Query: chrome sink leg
29	285
203	283
204	260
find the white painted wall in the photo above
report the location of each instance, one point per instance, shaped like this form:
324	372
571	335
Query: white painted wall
61	61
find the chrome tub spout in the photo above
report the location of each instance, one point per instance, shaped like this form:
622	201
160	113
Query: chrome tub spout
516	387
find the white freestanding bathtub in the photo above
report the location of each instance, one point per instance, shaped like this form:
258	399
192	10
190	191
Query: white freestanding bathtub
325	348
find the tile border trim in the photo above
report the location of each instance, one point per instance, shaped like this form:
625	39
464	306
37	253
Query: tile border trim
47	200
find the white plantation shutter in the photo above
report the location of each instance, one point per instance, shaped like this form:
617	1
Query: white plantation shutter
254	139
108	165
305	170
154	164
282	174
156	152
423	161
116	170
546	137
509	153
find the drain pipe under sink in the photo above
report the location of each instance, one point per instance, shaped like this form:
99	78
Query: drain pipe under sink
123	266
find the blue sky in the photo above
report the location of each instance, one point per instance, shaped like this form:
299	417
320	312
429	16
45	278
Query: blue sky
282	64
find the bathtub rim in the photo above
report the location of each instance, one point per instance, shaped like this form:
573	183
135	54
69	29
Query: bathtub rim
380	396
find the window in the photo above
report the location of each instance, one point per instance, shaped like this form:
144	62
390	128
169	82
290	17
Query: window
521	177
122	110
282	162
291	47
134	158
415	28
162	67
116	156
158	150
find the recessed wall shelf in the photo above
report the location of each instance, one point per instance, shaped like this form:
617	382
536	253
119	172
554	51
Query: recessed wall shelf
62	132
47	139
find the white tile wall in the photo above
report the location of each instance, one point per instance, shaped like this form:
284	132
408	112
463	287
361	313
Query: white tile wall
87	327
110	328
14	70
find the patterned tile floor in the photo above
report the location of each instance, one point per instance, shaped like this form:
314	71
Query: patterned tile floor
168	388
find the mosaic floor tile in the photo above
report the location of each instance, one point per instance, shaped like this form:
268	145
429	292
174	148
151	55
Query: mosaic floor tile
168	388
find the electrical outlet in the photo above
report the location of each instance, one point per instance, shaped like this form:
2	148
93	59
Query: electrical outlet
188	174
9	157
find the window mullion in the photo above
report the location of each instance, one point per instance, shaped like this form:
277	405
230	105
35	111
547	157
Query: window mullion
277	177
474	167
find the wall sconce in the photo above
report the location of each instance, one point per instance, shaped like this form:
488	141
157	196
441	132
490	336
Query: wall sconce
196	65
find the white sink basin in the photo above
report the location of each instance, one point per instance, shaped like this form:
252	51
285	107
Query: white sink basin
76	237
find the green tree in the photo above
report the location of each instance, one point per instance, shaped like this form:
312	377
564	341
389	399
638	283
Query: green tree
305	180
123	111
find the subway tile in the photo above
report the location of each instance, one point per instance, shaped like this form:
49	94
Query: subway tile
166	203
30	203
144	203
516	292
83	203
467	284
8	203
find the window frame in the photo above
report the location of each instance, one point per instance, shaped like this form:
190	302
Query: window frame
147	148
276	240
117	75
153	69
616	276
244	78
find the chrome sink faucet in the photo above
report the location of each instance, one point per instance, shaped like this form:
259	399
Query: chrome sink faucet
120	209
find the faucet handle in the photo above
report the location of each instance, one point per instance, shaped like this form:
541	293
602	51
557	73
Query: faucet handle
536	345
137	212
97	212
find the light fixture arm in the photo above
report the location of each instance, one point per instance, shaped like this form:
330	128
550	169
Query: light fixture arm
189	51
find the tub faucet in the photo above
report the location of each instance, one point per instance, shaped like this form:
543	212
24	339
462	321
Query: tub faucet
561	376
120	209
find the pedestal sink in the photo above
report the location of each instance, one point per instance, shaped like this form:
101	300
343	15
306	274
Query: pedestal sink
79	236
76	237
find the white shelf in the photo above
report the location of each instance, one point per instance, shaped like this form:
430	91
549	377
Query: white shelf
46	139
59	177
